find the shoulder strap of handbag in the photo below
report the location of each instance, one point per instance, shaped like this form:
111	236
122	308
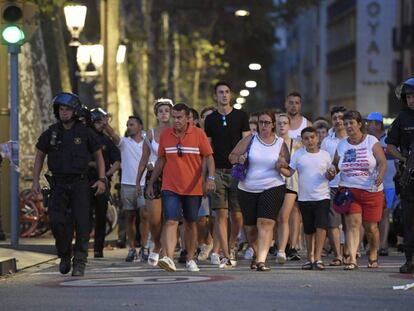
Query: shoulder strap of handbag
248	146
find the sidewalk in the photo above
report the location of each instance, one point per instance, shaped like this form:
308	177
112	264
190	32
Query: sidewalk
29	252
33	251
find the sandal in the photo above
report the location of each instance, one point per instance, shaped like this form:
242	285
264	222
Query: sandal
351	266
346	258
335	262
383	252
307	266
262	267
373	264
318	265
253	265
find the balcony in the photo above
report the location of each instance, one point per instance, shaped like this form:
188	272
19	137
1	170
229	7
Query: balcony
340	8
341	56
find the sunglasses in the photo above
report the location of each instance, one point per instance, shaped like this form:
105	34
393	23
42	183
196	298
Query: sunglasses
179	150
265	123
223	118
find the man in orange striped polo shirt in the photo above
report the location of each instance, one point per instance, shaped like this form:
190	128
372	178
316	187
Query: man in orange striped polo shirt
180	157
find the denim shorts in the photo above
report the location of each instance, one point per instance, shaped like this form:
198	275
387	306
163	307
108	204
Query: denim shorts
176	206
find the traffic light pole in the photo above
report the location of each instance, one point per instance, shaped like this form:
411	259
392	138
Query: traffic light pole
14	51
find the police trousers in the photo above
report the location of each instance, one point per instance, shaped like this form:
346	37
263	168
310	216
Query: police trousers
99	206
407	204
69	213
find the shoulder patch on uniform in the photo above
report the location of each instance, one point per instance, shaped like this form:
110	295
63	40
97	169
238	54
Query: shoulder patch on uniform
77	140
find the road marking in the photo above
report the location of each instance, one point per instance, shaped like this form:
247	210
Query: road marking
139	280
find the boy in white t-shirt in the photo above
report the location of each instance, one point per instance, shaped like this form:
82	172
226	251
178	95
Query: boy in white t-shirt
312	165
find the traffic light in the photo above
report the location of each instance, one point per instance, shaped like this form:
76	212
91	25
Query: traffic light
12	22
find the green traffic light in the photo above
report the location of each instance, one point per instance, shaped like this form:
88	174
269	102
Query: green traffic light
12	34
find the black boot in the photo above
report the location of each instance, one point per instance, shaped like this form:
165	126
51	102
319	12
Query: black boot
78	267
64	265
98	254
408	267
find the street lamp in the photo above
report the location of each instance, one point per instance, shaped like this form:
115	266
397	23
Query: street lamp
255	66
244	93
120	54
240	100
238	106
251	84
241	13
75	16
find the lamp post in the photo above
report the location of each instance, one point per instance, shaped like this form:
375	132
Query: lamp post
75	16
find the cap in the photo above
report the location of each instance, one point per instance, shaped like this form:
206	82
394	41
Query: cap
375	116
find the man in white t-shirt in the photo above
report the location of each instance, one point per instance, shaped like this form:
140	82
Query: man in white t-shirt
131	153
312	165
293	106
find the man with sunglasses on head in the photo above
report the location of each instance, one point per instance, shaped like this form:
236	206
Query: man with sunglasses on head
181	152
336	134
224	128
131	153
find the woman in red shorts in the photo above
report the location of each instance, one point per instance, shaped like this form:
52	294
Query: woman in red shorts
362	164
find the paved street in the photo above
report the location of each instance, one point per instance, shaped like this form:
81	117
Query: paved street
112	284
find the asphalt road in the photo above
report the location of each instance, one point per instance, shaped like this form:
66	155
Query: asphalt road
112	284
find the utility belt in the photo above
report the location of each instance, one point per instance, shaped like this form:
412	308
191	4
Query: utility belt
67	178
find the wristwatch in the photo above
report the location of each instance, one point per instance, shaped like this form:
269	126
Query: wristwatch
103	179
211	178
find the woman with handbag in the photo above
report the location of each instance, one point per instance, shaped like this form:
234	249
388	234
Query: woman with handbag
362	163
162	111
262	190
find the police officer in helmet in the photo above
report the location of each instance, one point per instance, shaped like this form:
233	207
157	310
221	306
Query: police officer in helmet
112	159
69	144
399	139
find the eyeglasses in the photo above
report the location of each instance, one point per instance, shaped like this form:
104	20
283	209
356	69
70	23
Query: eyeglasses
179	150
265	123
223	118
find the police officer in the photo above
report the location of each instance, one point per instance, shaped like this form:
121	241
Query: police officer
400	137
112	159
69	145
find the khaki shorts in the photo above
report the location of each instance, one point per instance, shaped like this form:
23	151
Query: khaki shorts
129	198
225	196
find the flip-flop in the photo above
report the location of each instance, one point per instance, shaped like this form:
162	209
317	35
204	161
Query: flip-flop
335	262
307	266
351	266
373	264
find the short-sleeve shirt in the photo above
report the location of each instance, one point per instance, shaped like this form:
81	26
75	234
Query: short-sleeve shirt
358	164
69	150
110	153
311	168
183	174
131	154
225	132
329	144
401	133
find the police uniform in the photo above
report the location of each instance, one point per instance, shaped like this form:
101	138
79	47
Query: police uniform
68	153
401	135
99	203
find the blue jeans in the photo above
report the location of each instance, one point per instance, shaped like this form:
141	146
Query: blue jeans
176	206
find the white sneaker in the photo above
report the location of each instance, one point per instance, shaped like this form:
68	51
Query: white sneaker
167	264
249	253
192	266
205	249
153	259
281	257
215	259
226	263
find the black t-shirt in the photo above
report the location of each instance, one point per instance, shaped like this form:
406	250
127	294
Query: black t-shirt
110	154
225	132
68	151
401	133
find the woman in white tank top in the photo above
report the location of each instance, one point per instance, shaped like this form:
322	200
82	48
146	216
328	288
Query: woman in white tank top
162	110
261	193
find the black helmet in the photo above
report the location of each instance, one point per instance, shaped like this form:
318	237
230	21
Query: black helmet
406	88
84	115
98	114
66	99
